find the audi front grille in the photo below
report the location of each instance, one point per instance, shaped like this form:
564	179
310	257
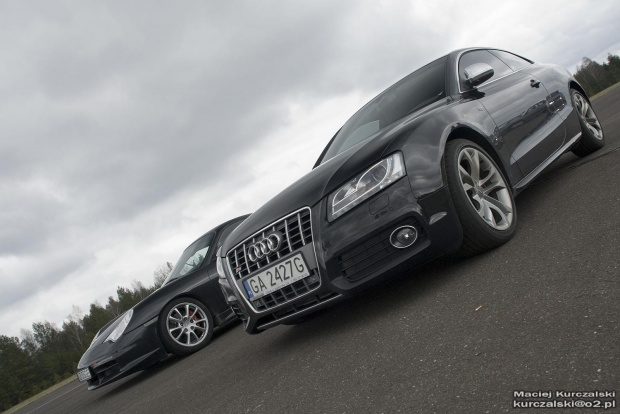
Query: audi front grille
296	229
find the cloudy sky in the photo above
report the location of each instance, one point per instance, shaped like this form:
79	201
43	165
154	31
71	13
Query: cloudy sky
128	129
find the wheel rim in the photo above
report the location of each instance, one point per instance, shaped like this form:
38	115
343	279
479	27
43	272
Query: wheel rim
485	188
586	113
187	324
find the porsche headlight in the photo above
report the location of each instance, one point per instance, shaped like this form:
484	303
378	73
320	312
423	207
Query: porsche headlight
364	185
120	328
95	338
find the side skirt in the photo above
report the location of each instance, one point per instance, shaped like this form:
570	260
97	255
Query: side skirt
527	179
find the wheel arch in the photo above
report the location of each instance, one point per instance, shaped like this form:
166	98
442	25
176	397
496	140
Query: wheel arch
574	85
476	137
188	295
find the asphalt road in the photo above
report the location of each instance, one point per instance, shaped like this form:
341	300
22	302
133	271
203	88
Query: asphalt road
541	313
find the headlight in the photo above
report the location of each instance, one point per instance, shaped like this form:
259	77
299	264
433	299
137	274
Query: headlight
365	185
219	265
120	328
95	338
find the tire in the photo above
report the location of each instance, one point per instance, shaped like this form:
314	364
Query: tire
185	326
592	137
482	199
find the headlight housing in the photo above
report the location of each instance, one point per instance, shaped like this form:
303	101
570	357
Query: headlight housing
95	338
364	185
120	328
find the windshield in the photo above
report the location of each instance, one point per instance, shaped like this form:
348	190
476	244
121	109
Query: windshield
421	88
191	258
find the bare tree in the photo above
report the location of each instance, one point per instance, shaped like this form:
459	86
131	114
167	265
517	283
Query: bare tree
593	76
113	307
28	343
139	290
74	327
161	273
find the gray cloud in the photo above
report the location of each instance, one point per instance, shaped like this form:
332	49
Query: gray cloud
127	130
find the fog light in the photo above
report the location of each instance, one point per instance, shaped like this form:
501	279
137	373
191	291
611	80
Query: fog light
403	237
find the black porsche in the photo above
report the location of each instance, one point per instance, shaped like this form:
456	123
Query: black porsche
178	318
428	167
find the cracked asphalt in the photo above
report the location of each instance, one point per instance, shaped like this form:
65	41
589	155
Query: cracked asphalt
541	313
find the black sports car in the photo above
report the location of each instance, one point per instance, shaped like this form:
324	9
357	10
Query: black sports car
177	318
428	167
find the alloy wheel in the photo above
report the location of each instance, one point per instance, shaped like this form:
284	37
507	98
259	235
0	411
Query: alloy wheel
485	188
187	324
586	113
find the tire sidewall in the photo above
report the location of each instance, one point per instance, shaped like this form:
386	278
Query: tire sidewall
169	344
471	222
585	131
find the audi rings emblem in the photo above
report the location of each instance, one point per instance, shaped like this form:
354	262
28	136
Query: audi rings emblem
264	247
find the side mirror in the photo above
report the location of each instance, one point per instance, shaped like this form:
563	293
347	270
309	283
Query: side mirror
478	73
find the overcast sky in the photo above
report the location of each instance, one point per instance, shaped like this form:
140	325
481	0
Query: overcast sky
128	129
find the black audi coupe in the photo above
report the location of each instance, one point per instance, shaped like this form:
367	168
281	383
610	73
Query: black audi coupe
428	167
177	318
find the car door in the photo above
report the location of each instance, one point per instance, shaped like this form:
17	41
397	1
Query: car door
518	104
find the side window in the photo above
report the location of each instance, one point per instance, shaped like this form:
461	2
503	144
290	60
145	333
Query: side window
481	56
195	261
515	62
415	91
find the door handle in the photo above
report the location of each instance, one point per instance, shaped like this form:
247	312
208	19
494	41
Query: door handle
534	83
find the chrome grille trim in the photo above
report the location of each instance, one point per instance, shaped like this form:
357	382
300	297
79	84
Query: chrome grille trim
288	236
236	258
266	257
273	228
301	229
246	270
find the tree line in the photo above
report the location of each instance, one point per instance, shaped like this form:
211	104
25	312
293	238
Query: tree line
47	354
595	77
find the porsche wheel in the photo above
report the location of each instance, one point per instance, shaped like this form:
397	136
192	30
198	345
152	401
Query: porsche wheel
185	326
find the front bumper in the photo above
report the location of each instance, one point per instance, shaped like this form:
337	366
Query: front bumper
134	351
353	252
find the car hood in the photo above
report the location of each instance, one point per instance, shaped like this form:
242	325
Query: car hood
105	331
142	312
98	353
99	349
314	186
327	177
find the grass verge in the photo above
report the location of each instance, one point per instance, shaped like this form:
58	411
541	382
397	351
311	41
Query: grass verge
40	395
604	91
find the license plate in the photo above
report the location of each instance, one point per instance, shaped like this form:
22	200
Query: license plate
276	277
84	374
